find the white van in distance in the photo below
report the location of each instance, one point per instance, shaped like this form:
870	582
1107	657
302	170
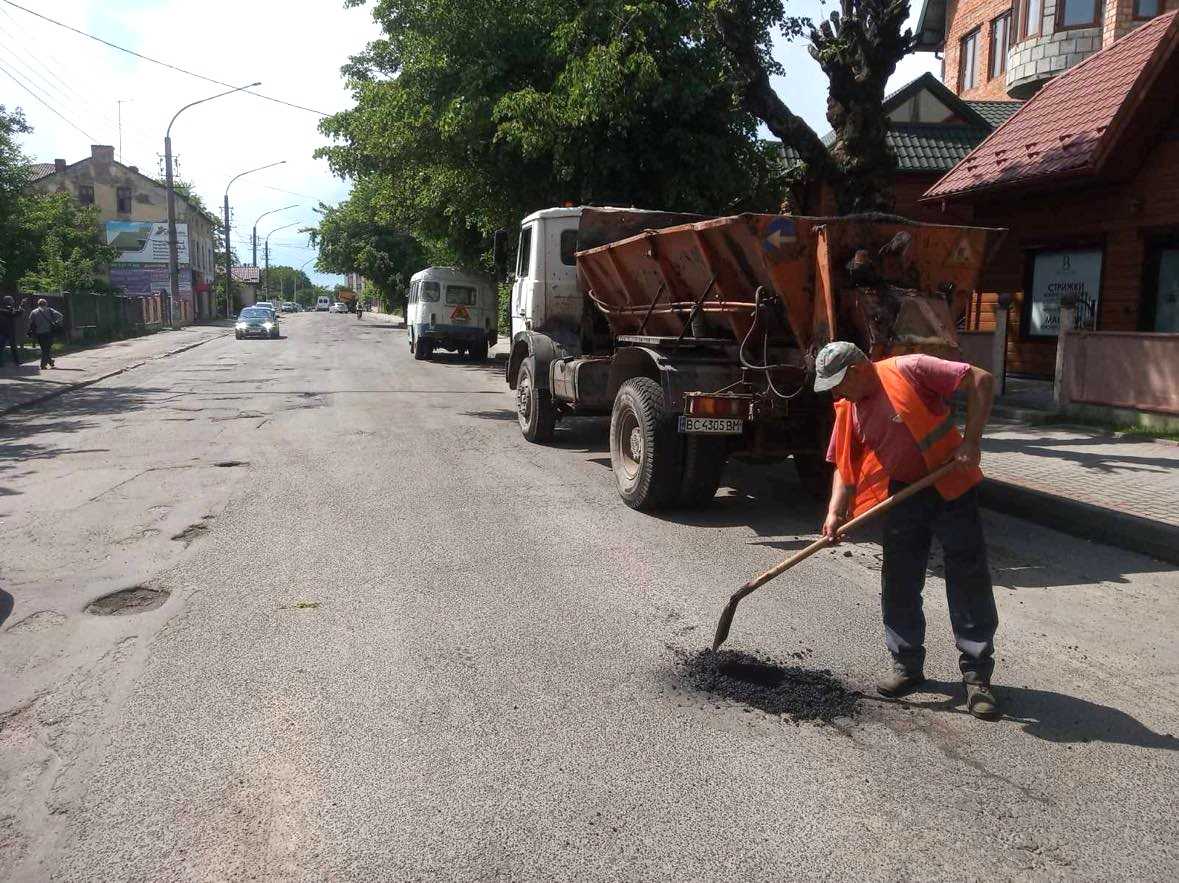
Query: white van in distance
323	303
450	310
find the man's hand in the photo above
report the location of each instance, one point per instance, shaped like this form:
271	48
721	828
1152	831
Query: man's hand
831	526
968	453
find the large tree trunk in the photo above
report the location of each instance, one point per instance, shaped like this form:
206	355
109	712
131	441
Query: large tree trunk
858	49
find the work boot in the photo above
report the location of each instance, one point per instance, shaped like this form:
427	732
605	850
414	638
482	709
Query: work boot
899	683
981	702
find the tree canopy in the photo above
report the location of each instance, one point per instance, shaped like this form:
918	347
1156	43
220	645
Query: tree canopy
363	235
48	242
468	116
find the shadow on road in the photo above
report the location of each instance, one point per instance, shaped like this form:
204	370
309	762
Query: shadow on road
1053	717
5	606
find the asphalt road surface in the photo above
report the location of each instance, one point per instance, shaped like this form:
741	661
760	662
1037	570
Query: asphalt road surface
403	643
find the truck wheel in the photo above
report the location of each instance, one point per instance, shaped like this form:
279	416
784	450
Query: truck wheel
814	472
422	348
704	463
479	352
534	406
644	446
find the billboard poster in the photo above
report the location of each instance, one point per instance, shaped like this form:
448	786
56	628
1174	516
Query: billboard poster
146	242
1075	272
140	280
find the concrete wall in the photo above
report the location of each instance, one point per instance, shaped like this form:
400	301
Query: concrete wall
1123	370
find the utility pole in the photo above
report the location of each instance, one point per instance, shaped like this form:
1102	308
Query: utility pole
260	217
173	261
228	247
119	102
266	278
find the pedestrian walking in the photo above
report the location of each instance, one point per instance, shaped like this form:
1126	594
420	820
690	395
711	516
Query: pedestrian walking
9	314
893	426
43	322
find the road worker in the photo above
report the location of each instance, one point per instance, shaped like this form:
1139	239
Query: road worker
893	426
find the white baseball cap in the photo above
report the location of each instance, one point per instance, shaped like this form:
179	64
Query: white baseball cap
833	361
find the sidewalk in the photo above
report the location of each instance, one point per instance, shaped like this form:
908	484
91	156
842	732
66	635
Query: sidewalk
1120	490
29	385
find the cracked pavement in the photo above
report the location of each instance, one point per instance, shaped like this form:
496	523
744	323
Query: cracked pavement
402	643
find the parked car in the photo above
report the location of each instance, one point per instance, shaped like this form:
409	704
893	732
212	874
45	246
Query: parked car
288	307
256	321
269	305
339	307
323	304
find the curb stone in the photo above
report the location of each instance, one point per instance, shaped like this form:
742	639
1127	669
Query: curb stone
82	384
1083	520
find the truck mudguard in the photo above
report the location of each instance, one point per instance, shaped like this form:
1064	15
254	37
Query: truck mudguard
541	347
675	375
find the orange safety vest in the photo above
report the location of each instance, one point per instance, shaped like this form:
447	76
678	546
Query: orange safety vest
937	438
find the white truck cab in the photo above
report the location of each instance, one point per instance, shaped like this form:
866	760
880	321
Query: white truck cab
545	295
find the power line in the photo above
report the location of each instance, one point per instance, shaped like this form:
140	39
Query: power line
157	61
49	106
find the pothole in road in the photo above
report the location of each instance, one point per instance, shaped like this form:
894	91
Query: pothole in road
230	464
125	602
802	694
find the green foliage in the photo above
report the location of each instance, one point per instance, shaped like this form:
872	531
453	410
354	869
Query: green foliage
282	282
468	116
360	235
49	242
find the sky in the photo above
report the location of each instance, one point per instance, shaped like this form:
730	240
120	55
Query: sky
294	47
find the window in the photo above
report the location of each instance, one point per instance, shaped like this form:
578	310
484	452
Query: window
85	194
1166	291
1144	9
1055	274
460	295
968	61
524	255
1077	13
1027	19
568	247
1000	41
124	198
430	292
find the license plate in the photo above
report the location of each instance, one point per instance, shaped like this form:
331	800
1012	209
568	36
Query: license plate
712	425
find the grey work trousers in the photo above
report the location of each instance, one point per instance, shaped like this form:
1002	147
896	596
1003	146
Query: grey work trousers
909	529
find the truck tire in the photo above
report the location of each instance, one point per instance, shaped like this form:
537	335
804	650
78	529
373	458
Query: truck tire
814	472
704	464
479	351
644	446
422	349
534	406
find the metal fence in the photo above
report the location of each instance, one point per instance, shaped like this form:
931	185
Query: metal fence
95	317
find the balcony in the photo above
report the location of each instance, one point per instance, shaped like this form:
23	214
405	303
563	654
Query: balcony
1033	62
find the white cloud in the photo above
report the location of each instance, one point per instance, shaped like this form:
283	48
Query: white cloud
295	49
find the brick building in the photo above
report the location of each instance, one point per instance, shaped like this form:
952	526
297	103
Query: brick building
1086	177
993	49
124	194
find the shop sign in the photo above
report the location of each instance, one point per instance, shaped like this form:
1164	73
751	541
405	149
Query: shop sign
1055	274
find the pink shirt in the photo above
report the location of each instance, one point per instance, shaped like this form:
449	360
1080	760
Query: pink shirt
878	425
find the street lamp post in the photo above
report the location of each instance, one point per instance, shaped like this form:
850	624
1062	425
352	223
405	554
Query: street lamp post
173	259
266	277
254	237
297	275
228	248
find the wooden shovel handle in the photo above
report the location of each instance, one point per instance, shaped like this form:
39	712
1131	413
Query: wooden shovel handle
882	506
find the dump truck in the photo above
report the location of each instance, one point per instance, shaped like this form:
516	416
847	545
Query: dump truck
698	335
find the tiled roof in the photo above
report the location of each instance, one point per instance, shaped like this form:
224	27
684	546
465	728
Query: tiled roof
1069	127
995	112
932	147
248	275
39	170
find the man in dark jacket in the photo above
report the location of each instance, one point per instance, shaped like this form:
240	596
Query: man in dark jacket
43	321
9	317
